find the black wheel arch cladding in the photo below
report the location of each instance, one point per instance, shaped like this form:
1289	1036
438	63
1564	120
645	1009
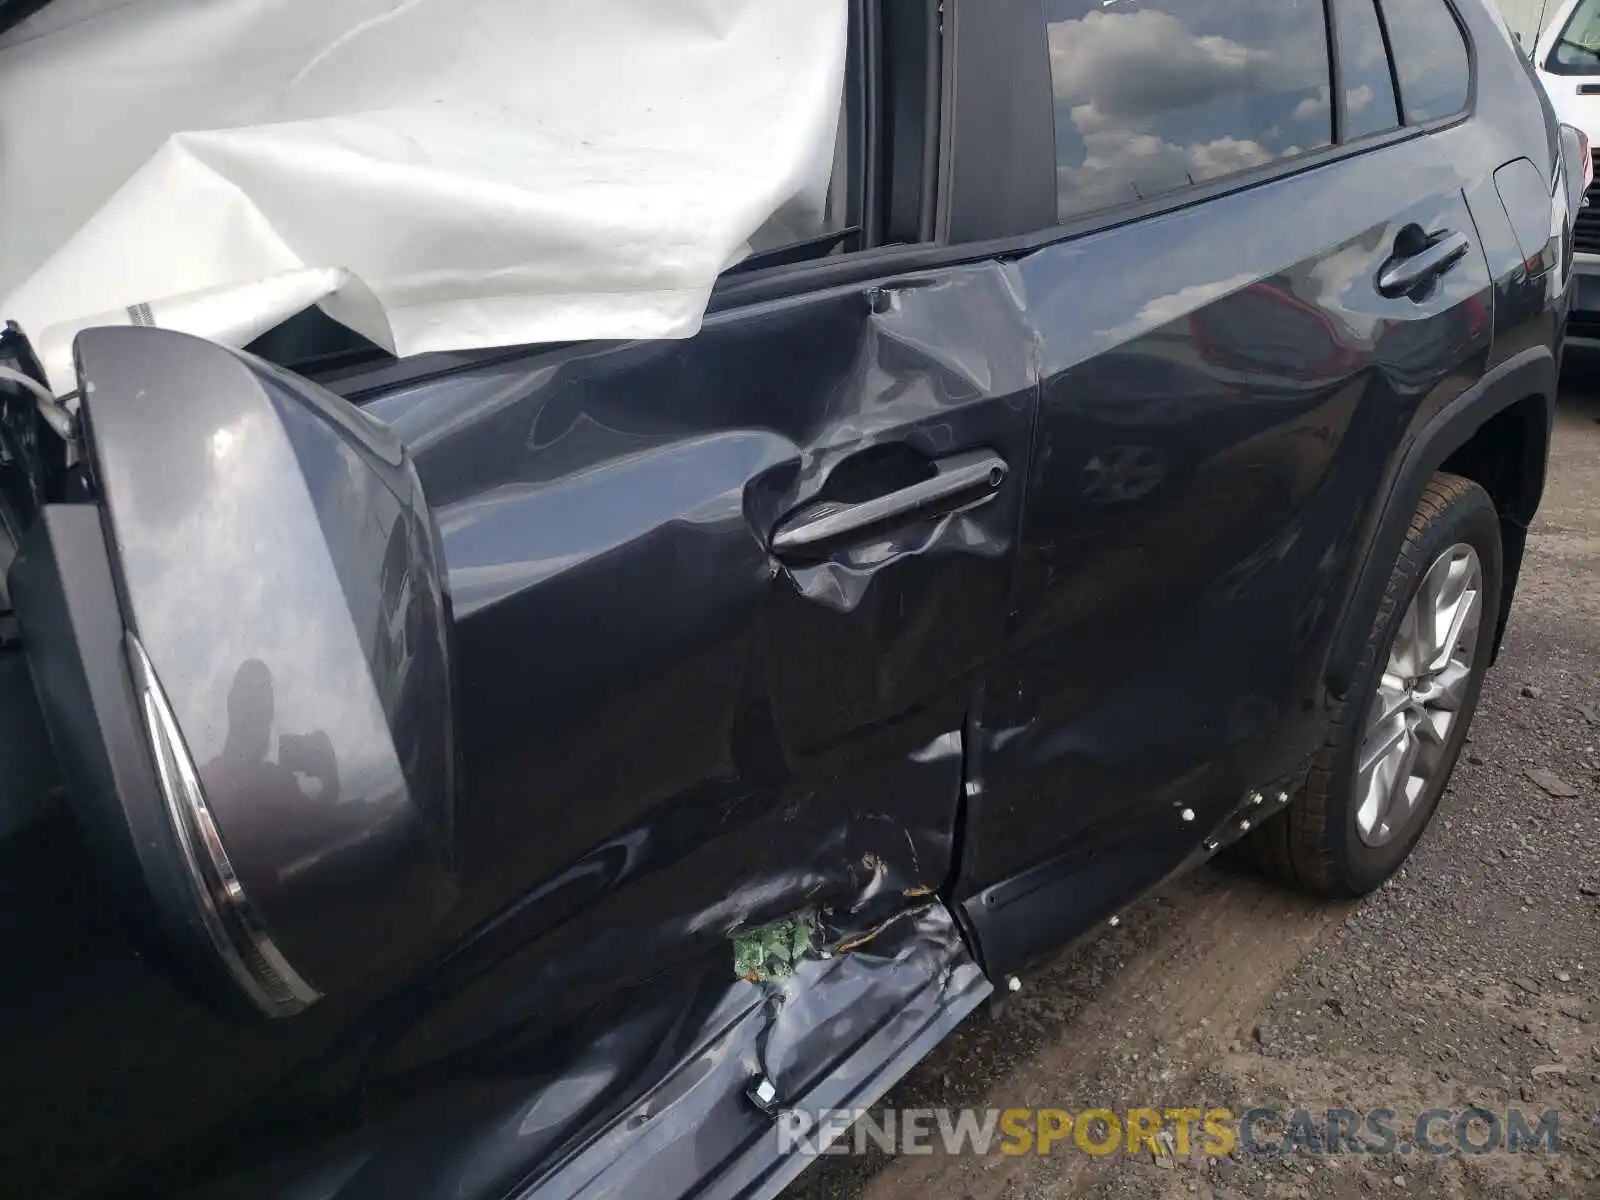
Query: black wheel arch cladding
1524	384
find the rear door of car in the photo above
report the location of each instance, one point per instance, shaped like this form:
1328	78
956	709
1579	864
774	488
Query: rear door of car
1265	270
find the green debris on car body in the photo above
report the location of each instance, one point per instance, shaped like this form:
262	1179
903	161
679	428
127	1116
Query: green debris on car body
771	951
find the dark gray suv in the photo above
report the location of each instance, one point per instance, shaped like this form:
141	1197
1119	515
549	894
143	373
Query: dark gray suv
546	772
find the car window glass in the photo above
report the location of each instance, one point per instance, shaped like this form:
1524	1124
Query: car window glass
807	217
1577	49
1369	104
1430	58
1156	95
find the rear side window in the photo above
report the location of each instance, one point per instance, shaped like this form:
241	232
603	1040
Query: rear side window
1369	103
1152	96
1430	58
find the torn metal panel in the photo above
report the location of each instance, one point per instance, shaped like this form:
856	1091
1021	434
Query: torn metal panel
836	1035
652	1100
605	990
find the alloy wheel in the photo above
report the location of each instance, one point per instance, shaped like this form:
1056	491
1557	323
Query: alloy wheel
1420	695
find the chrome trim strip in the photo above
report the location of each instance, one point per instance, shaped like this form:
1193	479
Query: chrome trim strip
231	921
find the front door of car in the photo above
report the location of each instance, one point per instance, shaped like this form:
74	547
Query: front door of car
719	600
1255	293
720	608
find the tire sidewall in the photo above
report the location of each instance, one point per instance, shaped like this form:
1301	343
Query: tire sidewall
1470	519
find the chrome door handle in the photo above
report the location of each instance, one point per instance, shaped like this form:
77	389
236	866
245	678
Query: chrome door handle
1403	276
956	481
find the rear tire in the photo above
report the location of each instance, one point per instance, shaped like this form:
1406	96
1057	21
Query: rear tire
1393	742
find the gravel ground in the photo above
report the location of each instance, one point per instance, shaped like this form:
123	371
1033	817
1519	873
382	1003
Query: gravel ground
1471	978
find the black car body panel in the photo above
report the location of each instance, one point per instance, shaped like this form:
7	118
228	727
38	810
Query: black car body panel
1177	595
563	487
944	596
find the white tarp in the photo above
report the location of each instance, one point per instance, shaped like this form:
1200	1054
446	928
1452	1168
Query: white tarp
466	173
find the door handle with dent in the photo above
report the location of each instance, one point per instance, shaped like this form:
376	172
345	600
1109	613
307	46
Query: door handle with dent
956	481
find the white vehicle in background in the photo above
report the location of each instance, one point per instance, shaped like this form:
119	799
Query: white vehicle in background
1566	56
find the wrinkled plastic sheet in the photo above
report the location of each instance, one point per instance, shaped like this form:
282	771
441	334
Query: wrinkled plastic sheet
453	174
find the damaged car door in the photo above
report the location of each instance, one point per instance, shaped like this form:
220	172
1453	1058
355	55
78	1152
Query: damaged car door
717	612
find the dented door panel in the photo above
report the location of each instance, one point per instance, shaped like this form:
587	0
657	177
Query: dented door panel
630	651
653	1092
669	736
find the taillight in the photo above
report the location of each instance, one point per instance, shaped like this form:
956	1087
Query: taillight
1576	141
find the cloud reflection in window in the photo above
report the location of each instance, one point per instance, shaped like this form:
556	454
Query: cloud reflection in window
1155	95
1369	103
